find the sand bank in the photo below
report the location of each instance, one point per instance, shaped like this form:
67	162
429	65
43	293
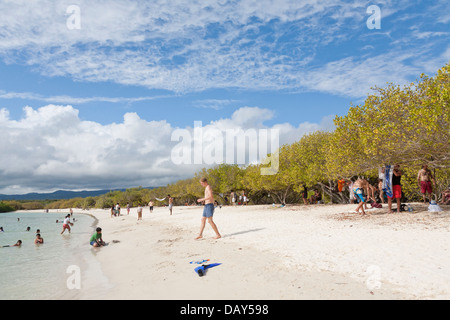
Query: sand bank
296	252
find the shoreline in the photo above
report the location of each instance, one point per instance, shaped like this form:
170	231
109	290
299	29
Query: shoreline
45	270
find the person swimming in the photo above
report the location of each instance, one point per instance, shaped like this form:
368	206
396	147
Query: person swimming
358	187
18	244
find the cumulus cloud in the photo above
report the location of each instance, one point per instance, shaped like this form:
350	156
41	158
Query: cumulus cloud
52	148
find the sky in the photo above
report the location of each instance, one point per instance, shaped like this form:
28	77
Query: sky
91	92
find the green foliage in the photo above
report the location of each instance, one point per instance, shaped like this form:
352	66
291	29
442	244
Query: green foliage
409	126
5	207
404	126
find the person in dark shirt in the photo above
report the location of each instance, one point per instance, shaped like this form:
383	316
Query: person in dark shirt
396	188
305	194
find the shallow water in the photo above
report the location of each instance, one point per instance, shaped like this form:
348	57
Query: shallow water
64	267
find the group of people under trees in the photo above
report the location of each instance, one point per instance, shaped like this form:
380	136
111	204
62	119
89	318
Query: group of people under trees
237	199
361	186
313	199
360	191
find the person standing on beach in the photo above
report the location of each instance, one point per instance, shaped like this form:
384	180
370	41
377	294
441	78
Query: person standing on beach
39	239
170	203
424	179
305	194
380	190
150	204
351	194
244	199
139	212
358	187
396	188
208	210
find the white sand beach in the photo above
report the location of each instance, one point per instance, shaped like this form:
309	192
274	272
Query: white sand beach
295	252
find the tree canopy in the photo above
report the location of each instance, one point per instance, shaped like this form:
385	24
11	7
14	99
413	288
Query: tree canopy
407	125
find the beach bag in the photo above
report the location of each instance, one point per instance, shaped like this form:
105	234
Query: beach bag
434	207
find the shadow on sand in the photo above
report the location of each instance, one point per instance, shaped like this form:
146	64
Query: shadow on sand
242	232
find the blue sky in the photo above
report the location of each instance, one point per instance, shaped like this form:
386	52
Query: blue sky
293	65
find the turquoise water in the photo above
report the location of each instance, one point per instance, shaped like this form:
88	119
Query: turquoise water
64	267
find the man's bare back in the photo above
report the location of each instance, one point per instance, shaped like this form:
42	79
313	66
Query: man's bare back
361	183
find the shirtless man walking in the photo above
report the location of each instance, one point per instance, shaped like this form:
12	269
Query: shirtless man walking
208	211
424	179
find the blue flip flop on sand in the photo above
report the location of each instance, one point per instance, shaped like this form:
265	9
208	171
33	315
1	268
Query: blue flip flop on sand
201	271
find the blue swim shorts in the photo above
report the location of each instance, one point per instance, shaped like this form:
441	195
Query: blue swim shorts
208	210
359	193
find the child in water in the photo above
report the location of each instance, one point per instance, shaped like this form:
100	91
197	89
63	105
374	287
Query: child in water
39	239
18	244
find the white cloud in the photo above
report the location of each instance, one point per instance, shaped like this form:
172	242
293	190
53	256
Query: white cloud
64	99
355	77
215	104
193	46
4	115
52	148
186	46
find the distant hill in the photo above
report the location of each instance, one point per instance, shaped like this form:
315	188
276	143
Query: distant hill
58	195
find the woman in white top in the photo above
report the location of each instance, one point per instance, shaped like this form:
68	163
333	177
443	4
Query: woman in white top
66	224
